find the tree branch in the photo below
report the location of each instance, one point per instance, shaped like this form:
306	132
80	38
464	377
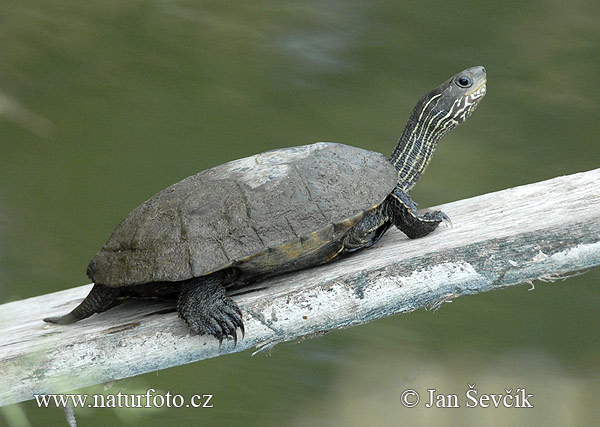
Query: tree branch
542	231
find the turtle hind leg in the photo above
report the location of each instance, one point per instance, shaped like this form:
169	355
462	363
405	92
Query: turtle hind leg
406	216
205	308
100	299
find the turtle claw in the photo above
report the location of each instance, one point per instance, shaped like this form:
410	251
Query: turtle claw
206	310
422	225
446	220
407	218
439	217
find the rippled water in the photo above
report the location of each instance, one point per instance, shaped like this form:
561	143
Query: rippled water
103	104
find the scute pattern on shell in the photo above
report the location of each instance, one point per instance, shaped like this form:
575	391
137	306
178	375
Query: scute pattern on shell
284	201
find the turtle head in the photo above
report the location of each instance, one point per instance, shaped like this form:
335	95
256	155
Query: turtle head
437	112
451	103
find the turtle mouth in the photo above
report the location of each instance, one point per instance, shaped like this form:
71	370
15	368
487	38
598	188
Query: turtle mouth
478	90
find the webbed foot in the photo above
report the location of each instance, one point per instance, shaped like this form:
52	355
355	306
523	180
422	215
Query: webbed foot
205	308
407	218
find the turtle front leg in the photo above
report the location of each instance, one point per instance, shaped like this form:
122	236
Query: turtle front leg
205	308
405	215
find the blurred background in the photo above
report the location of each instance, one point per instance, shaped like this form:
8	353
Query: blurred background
103	104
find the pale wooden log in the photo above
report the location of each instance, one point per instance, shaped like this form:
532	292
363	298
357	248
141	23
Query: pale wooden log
540	231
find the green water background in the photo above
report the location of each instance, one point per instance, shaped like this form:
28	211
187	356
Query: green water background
102	104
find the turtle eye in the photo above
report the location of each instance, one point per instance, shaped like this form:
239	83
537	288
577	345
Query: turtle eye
464	81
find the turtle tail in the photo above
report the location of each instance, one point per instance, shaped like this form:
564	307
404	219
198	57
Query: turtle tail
100	299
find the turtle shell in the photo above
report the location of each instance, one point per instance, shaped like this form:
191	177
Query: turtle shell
273	212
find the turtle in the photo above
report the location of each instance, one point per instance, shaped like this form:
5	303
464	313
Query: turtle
269	214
